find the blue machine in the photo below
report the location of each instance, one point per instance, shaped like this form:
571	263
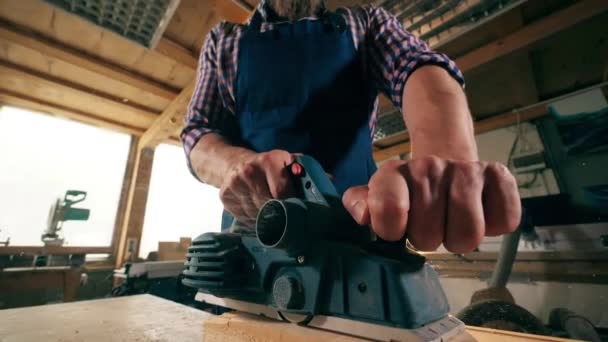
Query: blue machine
308	262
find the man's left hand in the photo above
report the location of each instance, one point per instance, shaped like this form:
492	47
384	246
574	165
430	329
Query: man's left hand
433	201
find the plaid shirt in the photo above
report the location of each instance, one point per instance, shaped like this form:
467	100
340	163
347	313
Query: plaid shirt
389	54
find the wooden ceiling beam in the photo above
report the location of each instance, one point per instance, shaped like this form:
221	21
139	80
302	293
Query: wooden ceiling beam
52	48
24	101
118	100
168	124
516	41
170	121
20	80
245	5
451	14
510	118
177	52
232	11
533	33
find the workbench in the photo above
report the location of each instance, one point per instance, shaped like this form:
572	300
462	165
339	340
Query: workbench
64	278
147	318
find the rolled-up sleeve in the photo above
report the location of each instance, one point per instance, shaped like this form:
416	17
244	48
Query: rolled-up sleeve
206	112
394	54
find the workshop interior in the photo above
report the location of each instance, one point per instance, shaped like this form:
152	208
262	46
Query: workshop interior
97	204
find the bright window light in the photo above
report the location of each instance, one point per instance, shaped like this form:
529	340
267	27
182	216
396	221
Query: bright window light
40	158
178	205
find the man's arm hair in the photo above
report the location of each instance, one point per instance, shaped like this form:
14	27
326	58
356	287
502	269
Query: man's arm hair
213	156
209	124
436	113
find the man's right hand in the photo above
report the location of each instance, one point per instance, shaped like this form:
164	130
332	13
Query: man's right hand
253	180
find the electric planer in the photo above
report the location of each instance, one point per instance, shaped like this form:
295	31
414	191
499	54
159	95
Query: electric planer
308	262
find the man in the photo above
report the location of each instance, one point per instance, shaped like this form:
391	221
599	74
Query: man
301	79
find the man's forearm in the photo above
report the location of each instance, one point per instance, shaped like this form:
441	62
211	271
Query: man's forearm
212	157
437	116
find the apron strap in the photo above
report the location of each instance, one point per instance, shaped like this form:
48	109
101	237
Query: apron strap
331	20
256	22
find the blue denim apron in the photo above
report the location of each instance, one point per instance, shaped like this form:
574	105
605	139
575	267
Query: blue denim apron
301	88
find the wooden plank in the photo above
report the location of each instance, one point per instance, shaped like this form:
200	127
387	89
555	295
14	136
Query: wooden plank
65	279
486	334
177	52
52	48
169	250
151	317
533	33
130	318
19	80
510	118
45	107
57	250
242	327
135	209
170	121
71	284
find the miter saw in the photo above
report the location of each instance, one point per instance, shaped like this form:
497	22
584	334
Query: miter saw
307	262
62	210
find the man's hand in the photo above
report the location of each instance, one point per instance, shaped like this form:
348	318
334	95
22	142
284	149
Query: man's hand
434	201
252	181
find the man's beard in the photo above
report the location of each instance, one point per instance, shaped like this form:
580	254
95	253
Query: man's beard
295	9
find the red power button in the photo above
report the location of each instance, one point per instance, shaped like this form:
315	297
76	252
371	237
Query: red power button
296	169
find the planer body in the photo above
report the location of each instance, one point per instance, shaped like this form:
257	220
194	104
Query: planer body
306	261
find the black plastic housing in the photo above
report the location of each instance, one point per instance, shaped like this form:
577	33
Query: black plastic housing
307	256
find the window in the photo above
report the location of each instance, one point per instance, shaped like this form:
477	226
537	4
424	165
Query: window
178	205
41	157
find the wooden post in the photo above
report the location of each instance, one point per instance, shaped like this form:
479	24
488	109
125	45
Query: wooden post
135	209
165	126
121	213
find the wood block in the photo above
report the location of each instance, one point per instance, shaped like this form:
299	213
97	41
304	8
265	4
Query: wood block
184	243
240	327
65	278
232	327
169	250
120	319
